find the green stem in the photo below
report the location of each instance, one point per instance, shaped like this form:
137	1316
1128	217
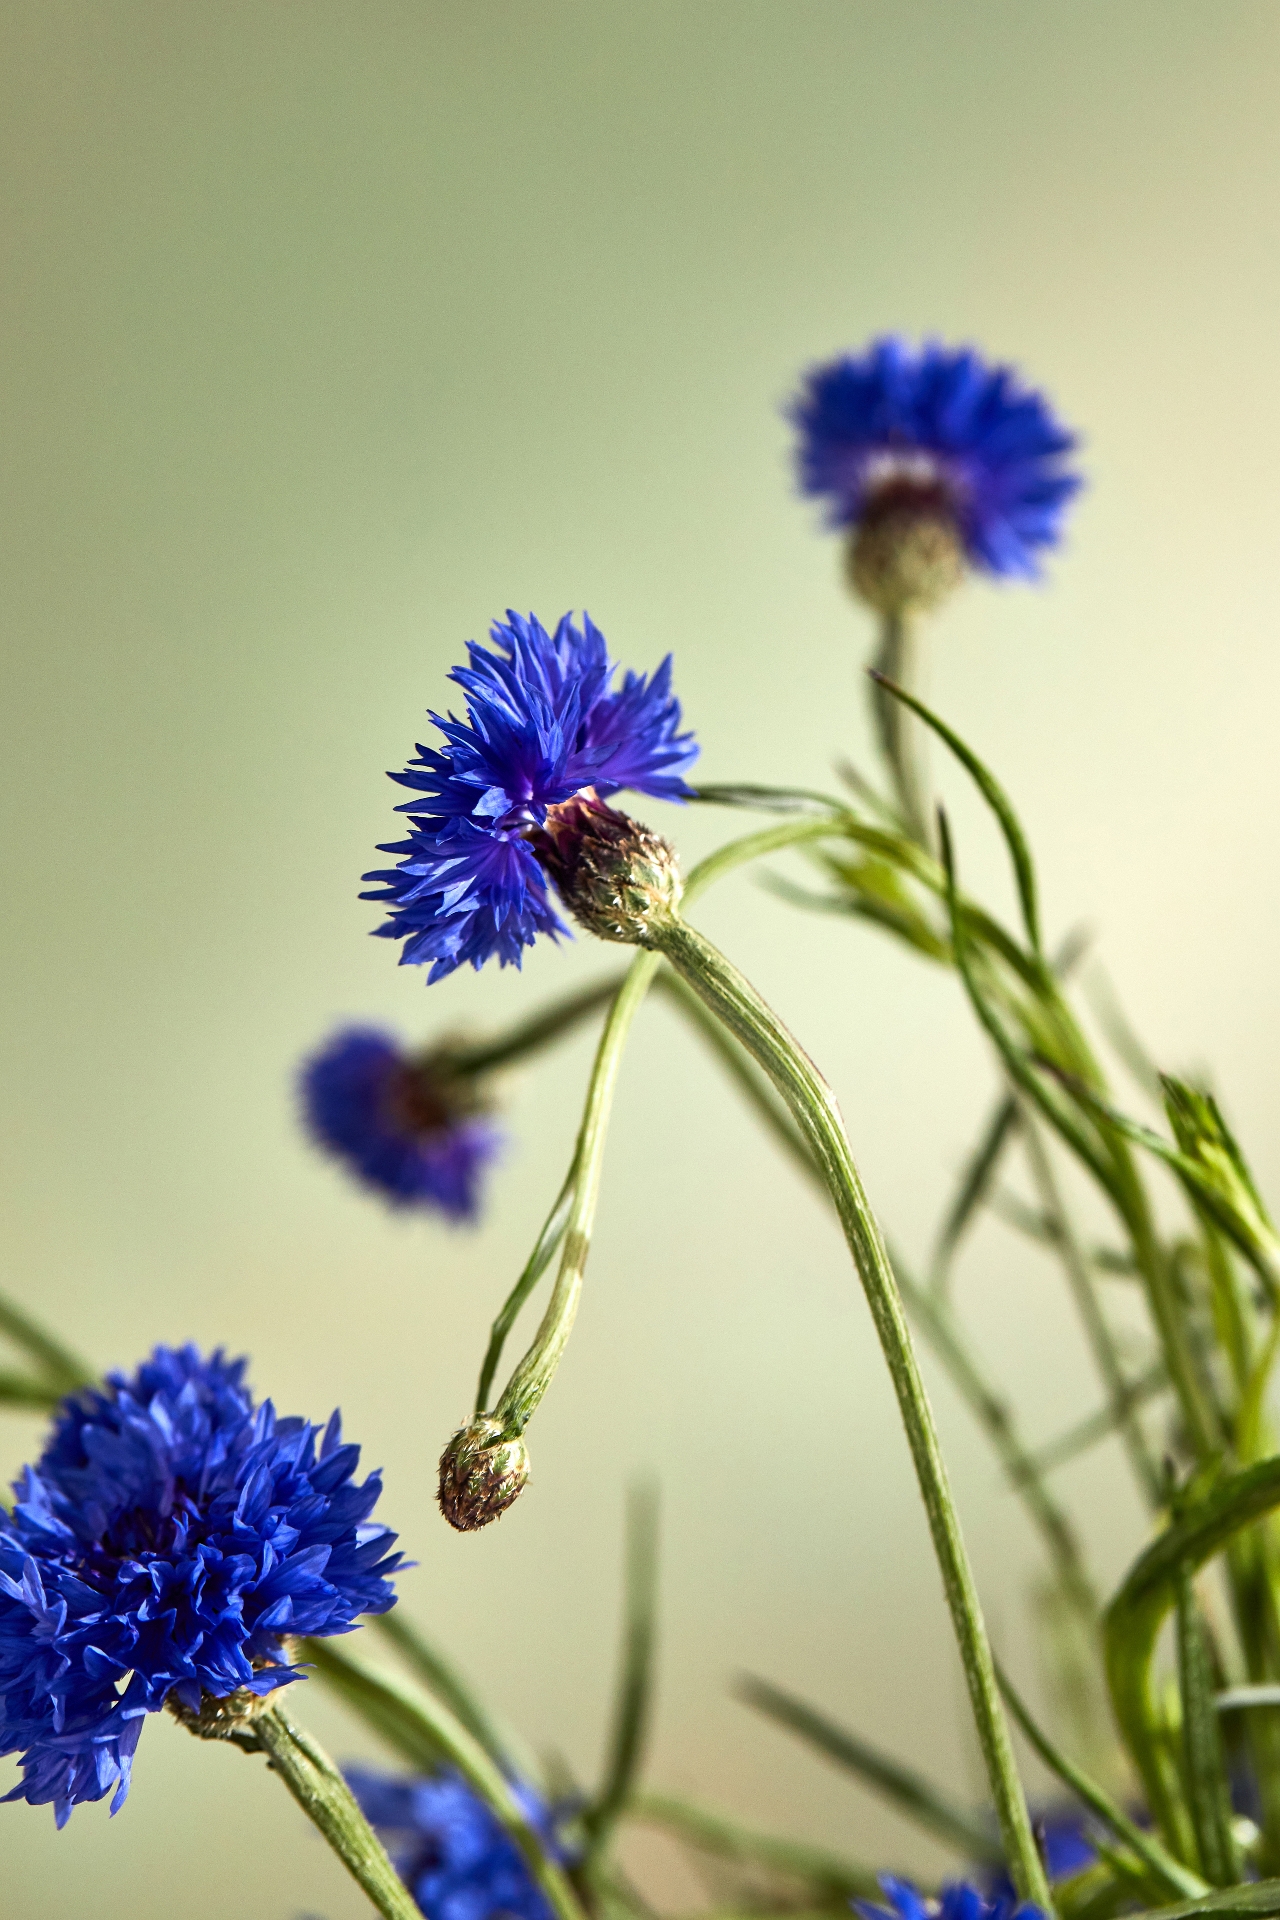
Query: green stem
813	1106
901	735
539	1030
714	1833
329	1803
1075	1264
536	1370
539	1260
441	1677
635	1681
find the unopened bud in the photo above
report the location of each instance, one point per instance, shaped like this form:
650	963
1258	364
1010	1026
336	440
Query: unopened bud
618	879
905	554
481	1474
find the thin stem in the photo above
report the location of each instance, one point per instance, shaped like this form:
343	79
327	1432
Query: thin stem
539	1260
813	1105
536	1370
1075	1264
539	1030
901	735
327	1800
714	1833
442	1678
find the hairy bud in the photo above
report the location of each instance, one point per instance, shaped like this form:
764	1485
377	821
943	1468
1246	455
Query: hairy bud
618	879
905	554
481	1474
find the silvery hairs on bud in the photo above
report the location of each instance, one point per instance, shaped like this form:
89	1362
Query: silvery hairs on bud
618	879
481	1473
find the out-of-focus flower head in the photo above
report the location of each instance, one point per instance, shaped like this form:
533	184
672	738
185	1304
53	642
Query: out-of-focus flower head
398	1121
934	449
169	1540
544	723
452	1853
958	1901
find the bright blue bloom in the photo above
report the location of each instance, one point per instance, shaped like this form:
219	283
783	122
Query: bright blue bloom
452	1853
171	1533
544	721
957	1901
378	1109
941	426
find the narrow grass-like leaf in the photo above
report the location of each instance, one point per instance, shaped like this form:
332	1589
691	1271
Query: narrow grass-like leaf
20	1390
442	1678
1255	1900
762	799
1169	1872
996	798
1208	1793
1098	1426
539	1260
976	1183
64	1370
716	1834
1134	1617
918	1798
635	1678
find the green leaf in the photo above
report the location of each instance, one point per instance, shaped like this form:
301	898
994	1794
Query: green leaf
1253	1901
635	1679
913	1795
996	798
714	1833
1134	1618
442	1678
768	799
980	1172
1169	1872
20	1390
1208	1792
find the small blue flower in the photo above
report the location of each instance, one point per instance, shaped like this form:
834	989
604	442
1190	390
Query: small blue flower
395	1125
452	1852
958	1901
941	426
168	1539
544	722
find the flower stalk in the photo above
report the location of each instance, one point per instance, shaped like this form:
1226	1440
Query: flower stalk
814	1107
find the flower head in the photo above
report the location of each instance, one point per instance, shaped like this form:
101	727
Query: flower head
935	437
544	723
399	1121
451	1851
958	1901
168	1540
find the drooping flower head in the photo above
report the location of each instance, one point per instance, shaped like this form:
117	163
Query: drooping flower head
170	1538
544	723
452	1853
399	1121
935	443
958	1901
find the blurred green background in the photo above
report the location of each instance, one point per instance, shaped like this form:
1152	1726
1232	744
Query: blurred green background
330	331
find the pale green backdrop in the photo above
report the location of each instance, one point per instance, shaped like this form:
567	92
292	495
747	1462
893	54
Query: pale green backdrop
329	332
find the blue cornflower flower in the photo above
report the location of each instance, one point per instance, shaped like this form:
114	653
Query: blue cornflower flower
958	1901
936	431
169	1538
454	1855
401	1125
544	723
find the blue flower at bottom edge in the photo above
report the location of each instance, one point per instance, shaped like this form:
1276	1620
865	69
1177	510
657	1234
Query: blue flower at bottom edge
942	428
544	723
170	1537
451	1851
395	1124
958	1901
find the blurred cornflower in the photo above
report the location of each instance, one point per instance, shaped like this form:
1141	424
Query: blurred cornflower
544	723
958	1901
932	456
399	1121
1065	1847
170	1537
452	1852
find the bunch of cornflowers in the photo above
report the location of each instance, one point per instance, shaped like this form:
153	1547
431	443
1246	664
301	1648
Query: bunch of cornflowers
178	1546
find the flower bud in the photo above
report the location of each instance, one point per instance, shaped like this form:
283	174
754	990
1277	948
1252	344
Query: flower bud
906	553
617	878
481	1474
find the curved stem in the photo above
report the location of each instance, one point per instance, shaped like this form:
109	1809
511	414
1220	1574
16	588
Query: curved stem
539	1030
327	1800
814	1107
539	1260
